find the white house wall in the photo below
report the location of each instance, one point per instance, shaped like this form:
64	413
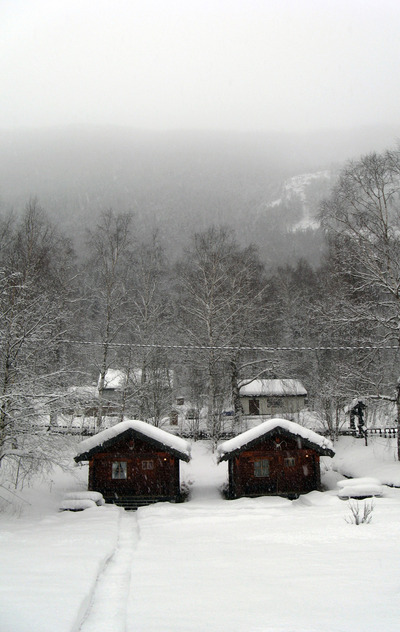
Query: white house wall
287	405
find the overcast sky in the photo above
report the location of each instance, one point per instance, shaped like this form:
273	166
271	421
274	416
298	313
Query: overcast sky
277	65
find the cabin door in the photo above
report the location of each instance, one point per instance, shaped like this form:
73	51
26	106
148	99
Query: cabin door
258	475
152	475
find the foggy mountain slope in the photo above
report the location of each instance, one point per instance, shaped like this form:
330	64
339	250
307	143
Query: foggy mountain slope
179	182
300	198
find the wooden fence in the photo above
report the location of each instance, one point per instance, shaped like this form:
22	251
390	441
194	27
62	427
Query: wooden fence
382	432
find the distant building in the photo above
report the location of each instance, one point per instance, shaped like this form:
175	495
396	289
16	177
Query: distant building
115	382
272	397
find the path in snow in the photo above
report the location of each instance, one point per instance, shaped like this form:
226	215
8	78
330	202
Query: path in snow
107	611
255	565
110	607
262	565
204	475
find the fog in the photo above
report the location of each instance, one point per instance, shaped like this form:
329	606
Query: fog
243	65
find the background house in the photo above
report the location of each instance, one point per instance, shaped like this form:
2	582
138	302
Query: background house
272	397
115	382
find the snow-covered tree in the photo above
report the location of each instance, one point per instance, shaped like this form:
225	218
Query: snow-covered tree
107	274
149	326
36	266
362	222
220	308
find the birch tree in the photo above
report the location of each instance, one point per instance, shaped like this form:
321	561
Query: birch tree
108	269
35	274
362	223
220	309
149	327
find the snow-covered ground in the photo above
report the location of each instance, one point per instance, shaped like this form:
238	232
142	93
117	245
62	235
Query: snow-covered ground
253	565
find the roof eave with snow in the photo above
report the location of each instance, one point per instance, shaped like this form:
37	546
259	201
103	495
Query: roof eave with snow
150	434
275	427
273	387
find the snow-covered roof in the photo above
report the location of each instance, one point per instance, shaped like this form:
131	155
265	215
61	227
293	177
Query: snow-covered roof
82	394
264	387
83	391
280	426
114	378
117	379
166	440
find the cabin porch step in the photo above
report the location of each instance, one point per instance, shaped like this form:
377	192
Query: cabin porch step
134	502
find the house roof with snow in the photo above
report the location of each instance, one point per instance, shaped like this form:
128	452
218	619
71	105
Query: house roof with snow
127	429
268	388
117	379
83	392
275	427
114	379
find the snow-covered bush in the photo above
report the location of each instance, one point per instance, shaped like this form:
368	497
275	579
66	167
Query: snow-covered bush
360	515
97	497
77	504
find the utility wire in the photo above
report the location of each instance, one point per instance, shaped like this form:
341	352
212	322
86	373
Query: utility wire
228	347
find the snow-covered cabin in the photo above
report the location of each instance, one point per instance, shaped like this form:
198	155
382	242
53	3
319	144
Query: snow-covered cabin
134	463
115	381
272	397
277	457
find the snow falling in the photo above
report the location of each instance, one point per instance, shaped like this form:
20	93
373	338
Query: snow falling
263	564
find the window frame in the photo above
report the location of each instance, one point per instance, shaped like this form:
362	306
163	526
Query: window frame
118	467
261	468
289	461
254	406
274	401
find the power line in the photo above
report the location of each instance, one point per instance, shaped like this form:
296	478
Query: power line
230	347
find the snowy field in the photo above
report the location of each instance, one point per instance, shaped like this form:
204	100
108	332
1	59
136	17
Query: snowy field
247	565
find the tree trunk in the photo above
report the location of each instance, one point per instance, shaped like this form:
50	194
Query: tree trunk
101	385
237	406
398	417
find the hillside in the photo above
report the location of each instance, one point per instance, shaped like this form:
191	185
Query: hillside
180	182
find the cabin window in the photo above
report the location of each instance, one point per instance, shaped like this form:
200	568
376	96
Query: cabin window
274	402
119	470
148	465
289	461
254	406
261	468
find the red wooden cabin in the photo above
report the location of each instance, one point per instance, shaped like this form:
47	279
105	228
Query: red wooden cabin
278	457
134	464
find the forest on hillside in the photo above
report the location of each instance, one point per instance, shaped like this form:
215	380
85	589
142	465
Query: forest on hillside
180	183
210	318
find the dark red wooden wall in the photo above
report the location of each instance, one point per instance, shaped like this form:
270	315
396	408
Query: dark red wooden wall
151	472
290	469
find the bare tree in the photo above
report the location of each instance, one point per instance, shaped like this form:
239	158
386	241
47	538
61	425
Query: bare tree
108	270
150	325
362	222
36	268
220	309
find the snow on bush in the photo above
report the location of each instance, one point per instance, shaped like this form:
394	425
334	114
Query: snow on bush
364	480
360	517
77	505
359	488
95	496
